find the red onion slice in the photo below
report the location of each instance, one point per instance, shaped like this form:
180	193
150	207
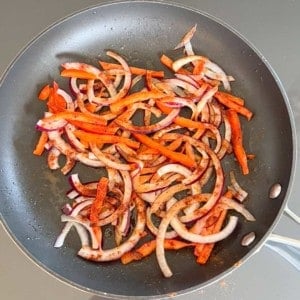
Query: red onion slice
109	162
151	128
173	211
187	37
51	126
69	101
117	252
81	66
73	140
239	193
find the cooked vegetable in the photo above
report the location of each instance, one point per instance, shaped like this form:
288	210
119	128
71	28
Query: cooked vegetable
160	147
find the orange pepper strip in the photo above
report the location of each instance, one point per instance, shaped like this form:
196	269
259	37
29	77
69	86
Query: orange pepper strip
40	146
133	70
77	74
203	251
45	92
149	247
237	140
227	101
105	139
117	106
77	116
174	156
168	62
94	128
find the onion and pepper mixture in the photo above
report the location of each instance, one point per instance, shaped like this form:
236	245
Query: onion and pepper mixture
164	184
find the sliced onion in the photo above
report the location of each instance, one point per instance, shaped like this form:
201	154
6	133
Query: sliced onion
173	82
117	252
60	144
166	195
73	86
69	165
73	140
69	101
179	63
84	158
231	204
83	189
239	193
204	99
187	37
51	126
81	66
188	79
52	159
151	187
204	239
173	211
85	224
108	162
154	230
125	203
151	128
218	70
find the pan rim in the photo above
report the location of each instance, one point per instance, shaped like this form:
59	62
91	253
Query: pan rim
279	84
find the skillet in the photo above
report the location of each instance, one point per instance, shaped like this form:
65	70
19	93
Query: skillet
32	196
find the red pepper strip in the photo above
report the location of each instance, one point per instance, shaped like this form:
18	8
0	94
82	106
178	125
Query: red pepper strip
105	139
99	200
117	106
91	127
199	67
45	92
96	207
227	101
206	249
203	251
150	85
77	116
174	156
77	74
149	247
133	70
168	62
172	146
91	107
56	102
40	146
231	98
237	140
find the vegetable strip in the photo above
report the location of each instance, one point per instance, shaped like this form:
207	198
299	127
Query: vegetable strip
174	156
237	140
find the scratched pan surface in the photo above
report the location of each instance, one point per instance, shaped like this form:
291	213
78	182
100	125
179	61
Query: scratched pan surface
32	196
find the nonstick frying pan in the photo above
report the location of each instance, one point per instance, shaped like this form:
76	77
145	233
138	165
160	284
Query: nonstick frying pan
32	195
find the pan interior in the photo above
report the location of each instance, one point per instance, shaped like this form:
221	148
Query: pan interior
32	195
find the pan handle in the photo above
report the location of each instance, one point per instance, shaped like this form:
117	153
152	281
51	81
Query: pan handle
286	247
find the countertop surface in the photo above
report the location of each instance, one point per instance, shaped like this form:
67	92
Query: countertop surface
272	26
